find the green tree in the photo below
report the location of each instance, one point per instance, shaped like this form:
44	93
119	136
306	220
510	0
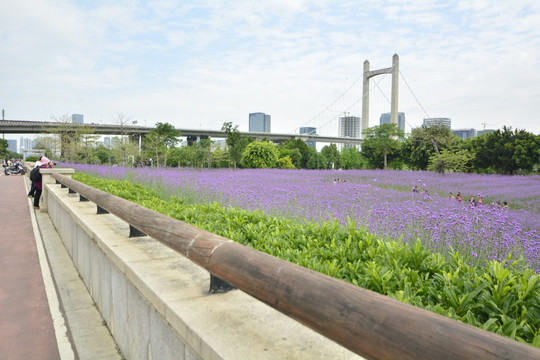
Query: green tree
286	163
154	146
101	153
296	158
316	161
453	161
260	155
206	152
64	136
507	151
122	148
380	141
159	140
220	158
234	142
351	158
3	146
297	147
332	156
87	143
183	156
424	142
169	134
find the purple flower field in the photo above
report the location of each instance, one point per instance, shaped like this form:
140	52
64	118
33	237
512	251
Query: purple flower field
381	201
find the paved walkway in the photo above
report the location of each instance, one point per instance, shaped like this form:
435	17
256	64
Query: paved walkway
26	326
45	309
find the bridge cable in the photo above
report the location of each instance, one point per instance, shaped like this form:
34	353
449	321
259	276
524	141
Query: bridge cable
414	96
376	84
334	102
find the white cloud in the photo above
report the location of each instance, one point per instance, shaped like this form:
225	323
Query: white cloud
209	62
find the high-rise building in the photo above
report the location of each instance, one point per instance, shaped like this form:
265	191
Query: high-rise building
28	144
12	145
259	122
438	121
349	126
77	118
385	119
464	133
310	131
24	144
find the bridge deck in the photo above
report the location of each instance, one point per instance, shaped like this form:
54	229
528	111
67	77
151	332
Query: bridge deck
26	325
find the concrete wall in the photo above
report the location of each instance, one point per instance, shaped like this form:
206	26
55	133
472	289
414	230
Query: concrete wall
156	302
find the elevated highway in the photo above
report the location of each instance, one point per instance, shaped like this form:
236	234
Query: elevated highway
43	127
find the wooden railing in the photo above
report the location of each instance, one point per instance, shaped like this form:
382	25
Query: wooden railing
370	324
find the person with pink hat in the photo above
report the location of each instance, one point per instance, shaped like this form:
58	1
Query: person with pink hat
45	163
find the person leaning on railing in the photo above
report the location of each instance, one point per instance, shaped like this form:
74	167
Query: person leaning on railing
32	191
45	164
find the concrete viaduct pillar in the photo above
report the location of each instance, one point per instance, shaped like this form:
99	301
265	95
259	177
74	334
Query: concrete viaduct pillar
394	70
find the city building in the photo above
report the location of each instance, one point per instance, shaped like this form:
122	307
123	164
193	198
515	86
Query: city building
385	119
77	118
28	144
438	121
464	133
25	144
259	122
349	126
310	131
12	145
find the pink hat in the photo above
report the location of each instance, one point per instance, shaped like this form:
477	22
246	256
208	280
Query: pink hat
44	161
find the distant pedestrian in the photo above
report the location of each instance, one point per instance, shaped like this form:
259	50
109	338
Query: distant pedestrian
458	197
45	164
451	196
415	189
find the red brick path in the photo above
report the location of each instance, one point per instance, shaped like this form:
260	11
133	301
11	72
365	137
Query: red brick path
26	327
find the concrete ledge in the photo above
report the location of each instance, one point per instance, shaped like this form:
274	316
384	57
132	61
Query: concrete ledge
156	302
90	337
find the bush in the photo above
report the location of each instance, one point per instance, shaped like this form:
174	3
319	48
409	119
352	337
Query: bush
260	155
286	163
32	158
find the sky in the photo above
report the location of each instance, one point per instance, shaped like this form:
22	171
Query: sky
198	64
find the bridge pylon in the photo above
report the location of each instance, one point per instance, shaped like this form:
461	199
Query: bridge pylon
394	70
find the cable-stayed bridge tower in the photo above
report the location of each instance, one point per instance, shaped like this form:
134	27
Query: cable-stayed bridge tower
394	70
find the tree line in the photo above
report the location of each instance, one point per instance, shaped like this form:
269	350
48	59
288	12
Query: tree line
433	148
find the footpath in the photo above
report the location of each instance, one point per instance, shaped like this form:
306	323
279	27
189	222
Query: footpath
46	311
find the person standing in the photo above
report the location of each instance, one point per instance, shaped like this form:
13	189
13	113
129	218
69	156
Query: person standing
32	191
45	164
